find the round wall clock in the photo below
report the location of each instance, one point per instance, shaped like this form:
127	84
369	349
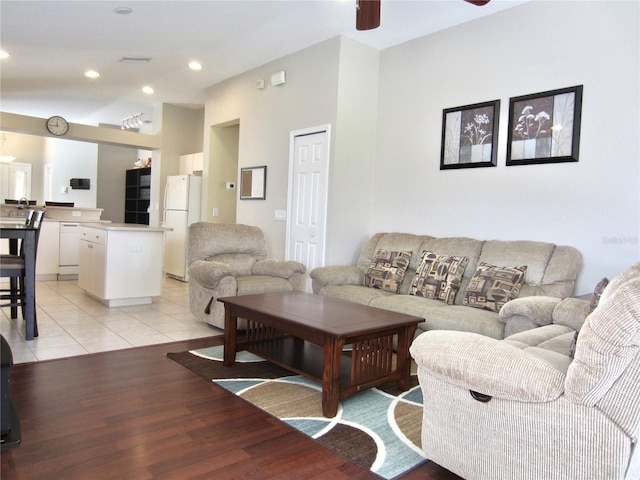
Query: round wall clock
57	125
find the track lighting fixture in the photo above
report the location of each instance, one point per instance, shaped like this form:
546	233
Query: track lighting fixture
134	121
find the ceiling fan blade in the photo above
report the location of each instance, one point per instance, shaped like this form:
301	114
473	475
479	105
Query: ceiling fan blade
367	14
479	3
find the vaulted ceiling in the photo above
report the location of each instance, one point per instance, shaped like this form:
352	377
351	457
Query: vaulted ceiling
52	43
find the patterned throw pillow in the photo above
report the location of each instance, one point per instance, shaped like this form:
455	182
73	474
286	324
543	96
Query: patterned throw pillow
387	270
597	293
595	299
438	276
491	287
572	349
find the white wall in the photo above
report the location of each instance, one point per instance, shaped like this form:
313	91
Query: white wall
592	205
113	162
332	83
266	118
28	149
354	135
75	160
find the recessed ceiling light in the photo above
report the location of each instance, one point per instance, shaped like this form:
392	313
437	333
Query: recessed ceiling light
147	89
3	54
91	74
122	10
195	65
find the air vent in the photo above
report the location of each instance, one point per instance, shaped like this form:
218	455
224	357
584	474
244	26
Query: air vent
135	60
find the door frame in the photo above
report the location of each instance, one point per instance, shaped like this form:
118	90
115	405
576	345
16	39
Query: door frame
326	129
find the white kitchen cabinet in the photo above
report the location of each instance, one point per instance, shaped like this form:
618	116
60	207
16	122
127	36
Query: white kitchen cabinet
91	262
121	264
191	163
48	249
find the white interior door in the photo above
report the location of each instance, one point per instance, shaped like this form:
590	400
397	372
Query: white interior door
308	186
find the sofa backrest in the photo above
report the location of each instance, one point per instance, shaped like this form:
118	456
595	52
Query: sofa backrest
237	245
551	269
605	371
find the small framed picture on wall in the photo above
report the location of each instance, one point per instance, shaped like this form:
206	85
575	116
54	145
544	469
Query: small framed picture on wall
470	136
253	183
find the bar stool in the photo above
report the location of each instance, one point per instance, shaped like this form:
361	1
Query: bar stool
13	267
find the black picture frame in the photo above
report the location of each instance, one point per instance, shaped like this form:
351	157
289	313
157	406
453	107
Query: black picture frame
470	136
253	183
545	127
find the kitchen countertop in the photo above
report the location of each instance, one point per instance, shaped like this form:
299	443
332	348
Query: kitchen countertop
19	219
70	214
126	227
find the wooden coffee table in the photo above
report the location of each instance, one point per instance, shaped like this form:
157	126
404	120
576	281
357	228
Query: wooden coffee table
307	333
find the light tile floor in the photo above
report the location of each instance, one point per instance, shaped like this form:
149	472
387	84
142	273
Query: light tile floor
71	323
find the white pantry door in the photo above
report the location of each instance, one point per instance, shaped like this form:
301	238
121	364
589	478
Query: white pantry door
309	174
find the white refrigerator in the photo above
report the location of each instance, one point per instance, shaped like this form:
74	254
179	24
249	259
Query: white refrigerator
182	204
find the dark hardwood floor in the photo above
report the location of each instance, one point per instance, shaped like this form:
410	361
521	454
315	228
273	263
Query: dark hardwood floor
135	414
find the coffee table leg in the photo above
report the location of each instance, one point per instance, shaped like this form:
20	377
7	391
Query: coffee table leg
404	358
331	377
230	337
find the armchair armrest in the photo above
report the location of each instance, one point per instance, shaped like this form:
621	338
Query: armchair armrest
208	274
336	275
278	268
571	312
526	313
486	365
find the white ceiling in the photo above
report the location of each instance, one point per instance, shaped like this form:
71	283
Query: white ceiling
52	43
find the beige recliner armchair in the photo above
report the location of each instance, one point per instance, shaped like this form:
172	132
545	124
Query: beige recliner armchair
230	260
502	410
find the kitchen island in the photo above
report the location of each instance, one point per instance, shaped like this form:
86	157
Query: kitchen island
59	237
121	264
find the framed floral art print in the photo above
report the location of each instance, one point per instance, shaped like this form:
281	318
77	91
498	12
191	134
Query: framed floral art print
470	136
545	127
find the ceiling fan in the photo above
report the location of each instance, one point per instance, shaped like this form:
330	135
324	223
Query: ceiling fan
368	13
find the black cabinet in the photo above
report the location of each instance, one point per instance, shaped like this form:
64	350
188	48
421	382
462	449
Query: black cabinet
10	429
137	196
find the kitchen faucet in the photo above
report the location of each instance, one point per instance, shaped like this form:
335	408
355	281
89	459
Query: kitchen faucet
21	206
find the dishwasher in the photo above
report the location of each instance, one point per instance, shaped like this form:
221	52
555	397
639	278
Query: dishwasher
69	248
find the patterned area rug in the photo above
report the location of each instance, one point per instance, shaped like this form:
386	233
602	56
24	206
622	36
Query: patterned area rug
378	429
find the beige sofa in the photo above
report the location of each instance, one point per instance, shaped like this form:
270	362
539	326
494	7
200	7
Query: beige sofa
523	408
229	260
550	276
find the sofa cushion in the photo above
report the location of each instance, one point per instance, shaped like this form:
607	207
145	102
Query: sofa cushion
392	242
407	304
459	318
549	337
242	263
387	270
355	293
535	255
254	284
438	276
491	286
460	246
